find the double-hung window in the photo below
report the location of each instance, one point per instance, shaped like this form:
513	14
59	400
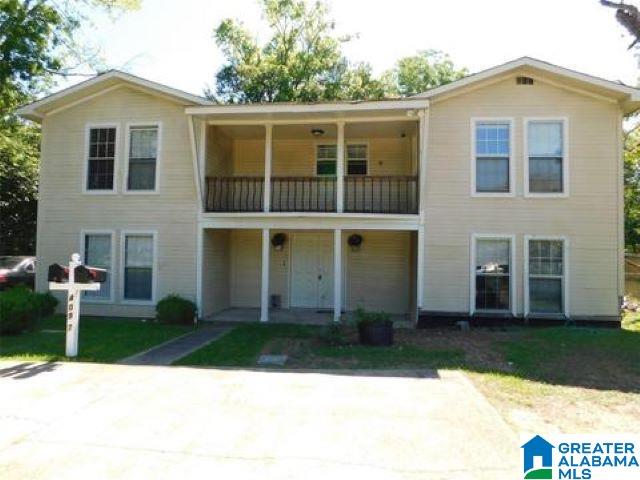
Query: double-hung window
357	155
546	162
101	158
492	274
138	266
143	158
326	159
492	158
545	275
98	248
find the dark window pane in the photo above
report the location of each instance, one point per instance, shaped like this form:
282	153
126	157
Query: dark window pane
142	174
138	283
545	295
492	174
357	167
545	174
492	292
100	175
326	167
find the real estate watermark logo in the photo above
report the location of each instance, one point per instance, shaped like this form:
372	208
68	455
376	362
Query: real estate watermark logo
581	457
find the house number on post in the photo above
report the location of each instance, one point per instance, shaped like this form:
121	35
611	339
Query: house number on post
75	279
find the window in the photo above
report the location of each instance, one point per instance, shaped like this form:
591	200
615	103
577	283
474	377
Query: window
357	159
492	274
492	157
101	158
546	276
143	156
97	253
546	162
138	267
326	159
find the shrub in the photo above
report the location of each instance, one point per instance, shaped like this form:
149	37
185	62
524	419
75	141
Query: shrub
334	334
175	309
20	308
364	317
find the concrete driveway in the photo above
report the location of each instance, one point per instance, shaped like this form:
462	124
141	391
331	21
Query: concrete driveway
80	421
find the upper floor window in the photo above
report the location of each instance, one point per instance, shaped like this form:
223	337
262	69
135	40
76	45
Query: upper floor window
546	162
357	159
101	158
326	158
492	157
143	158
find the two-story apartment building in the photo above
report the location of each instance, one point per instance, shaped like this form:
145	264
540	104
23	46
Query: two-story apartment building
496	195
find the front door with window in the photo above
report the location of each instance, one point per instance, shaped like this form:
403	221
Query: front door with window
312	270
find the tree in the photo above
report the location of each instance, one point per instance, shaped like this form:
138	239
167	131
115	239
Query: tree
631	190
628	16
303	61
36	46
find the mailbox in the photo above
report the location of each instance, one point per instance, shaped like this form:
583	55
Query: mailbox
58	273
82	274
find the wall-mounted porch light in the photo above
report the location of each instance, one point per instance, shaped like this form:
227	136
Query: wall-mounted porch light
278	241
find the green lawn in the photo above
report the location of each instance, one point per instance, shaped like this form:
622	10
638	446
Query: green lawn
101	339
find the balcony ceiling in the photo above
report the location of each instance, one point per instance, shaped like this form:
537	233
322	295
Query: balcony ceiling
303	132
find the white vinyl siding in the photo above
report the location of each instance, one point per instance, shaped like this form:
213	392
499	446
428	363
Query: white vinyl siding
142	167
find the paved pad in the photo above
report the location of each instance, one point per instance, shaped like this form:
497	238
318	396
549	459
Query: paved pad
79	421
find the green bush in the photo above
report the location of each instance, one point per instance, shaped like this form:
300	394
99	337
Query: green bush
20	308
175	309
364	317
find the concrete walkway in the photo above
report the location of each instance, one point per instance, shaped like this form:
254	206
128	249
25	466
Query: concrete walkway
77	421
175	349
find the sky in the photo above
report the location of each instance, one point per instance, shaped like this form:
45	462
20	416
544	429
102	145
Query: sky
171	41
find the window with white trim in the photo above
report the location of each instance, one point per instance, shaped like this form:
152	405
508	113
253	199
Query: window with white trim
97	253
546	276
138	266
357	159
493	274
545	156
101	158
143	156
492	157
326	159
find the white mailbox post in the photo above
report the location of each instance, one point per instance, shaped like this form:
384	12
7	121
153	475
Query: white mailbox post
74	291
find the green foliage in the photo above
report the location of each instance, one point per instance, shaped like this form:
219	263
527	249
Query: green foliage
176	310
20	308
303	61
334	334
364	317
632	192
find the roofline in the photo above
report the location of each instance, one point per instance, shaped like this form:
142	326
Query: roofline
31	110
633	93
274	108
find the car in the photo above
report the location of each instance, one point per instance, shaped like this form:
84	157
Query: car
17	270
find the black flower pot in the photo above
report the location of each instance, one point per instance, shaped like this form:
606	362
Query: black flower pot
376	334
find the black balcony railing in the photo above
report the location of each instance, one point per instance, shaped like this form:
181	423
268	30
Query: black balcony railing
303	194
381	194
235	194
362	194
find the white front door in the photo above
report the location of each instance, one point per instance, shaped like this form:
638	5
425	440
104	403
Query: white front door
312	270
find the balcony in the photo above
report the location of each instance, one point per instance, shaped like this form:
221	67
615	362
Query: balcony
391	194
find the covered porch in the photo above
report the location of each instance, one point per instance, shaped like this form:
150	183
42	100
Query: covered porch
307	276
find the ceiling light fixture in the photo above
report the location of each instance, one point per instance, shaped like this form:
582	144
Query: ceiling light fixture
317	132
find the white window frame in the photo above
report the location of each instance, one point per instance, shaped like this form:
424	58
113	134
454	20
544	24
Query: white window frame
154	277
512	272
565	157
512	177
127	141
346	159
116	159
315	156
565	274
112	270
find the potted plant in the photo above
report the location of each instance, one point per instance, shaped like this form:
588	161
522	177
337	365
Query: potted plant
374	328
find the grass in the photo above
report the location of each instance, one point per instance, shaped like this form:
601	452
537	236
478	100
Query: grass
102	340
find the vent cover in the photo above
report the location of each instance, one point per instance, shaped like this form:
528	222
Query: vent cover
524	81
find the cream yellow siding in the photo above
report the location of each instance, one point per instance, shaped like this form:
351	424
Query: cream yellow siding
587	217
64	210
216	271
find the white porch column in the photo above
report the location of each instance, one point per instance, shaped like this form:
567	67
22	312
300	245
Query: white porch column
340	169
337	275
420	269
264	284
268	140
423	134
